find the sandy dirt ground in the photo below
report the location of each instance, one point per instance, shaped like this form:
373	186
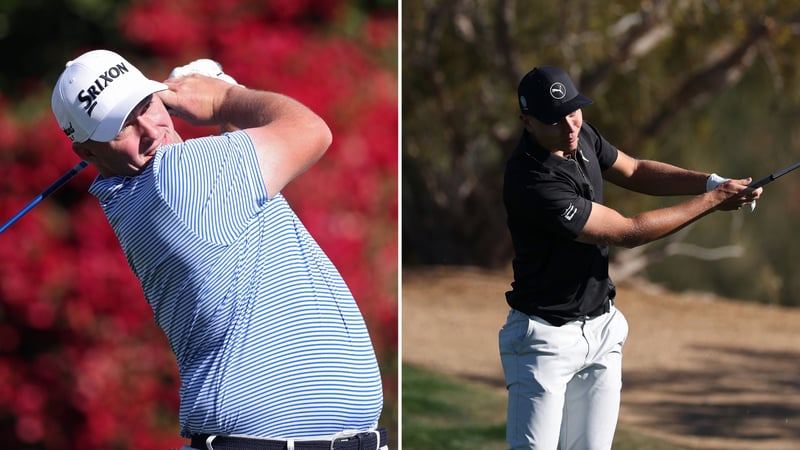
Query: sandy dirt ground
698	370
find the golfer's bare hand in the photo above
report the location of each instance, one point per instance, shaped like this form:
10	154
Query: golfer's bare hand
733	194
196	99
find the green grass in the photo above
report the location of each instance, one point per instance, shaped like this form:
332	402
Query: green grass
443	413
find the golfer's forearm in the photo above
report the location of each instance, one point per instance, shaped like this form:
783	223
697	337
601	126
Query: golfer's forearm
657	178
659	223
245	108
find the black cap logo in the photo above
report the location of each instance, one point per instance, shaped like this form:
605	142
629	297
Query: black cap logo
558	91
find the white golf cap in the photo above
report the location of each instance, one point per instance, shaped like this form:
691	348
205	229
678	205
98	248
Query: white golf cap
95	94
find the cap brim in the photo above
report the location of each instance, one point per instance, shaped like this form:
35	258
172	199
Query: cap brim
112	124
564	109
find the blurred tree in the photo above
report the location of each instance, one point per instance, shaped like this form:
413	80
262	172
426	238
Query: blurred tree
707	85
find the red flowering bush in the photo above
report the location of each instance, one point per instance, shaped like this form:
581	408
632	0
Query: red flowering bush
82	364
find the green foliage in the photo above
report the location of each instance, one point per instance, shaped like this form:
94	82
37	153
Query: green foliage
444	413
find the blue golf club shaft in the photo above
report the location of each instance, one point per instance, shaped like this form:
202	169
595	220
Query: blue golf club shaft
50	189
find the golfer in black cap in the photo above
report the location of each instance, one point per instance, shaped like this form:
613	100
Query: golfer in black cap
561	346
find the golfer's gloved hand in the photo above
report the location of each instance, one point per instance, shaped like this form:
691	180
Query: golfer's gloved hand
715	180
207	67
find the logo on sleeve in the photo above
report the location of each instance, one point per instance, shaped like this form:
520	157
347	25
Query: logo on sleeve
570	212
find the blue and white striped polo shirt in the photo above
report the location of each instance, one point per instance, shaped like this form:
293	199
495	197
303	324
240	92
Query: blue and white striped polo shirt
268	337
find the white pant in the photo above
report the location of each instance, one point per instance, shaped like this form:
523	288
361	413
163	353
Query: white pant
563	382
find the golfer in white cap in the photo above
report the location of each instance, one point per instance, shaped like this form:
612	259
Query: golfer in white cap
272	349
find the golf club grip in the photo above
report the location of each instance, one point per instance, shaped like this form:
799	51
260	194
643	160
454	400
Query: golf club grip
766	180
773	176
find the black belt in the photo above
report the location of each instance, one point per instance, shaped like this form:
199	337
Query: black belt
365	440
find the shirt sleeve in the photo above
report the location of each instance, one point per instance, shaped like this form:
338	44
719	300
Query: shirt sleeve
544	202
213	184
562	209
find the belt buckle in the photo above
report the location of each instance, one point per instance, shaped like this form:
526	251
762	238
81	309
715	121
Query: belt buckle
347	435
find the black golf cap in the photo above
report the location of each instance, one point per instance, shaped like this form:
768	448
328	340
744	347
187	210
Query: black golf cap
548	94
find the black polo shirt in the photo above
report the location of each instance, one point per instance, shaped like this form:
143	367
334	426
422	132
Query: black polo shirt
548	200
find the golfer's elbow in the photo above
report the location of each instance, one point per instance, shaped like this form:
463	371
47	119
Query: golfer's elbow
631	242
318	138
625	240
641	230
325	137
630	236
616	231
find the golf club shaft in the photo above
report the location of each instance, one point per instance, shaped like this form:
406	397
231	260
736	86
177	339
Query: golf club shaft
50	189
771	177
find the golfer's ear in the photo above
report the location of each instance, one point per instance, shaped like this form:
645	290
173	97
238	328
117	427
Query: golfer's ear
525	121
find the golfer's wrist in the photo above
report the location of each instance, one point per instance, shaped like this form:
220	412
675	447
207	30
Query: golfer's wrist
713	181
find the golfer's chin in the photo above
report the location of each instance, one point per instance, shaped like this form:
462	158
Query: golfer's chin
566	147
573	145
